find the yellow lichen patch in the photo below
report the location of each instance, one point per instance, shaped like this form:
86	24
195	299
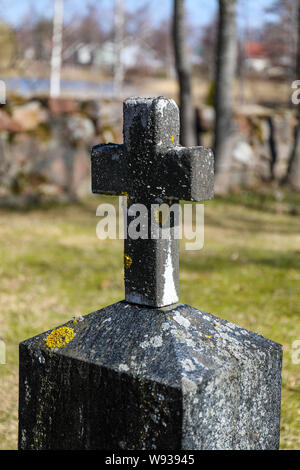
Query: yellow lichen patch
124	193
172	138
60	337
127	261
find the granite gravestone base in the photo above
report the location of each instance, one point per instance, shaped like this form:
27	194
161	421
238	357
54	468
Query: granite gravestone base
133	377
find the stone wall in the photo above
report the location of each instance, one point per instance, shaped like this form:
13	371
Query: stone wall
261	145
45	145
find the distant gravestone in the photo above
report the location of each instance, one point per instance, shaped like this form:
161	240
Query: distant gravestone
148	372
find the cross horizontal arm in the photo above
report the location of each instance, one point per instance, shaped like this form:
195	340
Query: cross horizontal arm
186	173
108	169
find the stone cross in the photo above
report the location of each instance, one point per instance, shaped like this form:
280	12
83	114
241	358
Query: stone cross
152	168
130	376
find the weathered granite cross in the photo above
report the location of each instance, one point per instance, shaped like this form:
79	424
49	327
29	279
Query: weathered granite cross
129	376
151	168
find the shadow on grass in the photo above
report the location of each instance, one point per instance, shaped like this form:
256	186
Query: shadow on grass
36	205
264	201
224	262
240	223
33	204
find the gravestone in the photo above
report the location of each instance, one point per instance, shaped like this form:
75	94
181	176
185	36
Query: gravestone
149	372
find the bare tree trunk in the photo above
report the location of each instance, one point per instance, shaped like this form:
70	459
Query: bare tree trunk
293	169
272	146
226	57
56	48
187	134
118	40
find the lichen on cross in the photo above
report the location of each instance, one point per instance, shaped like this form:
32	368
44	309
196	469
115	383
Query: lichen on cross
152	168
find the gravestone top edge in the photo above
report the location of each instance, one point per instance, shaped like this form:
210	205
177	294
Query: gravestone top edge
180	321
148	99
143	309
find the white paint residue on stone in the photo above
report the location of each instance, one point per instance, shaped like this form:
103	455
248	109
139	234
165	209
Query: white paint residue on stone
169	290
188	365
181	320
123	367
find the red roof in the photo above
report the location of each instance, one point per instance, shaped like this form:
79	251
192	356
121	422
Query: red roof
254	49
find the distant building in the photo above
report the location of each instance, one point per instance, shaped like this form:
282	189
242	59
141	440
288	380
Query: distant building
139	54
84	54
258	60
104	55
255	57
254	49
133	54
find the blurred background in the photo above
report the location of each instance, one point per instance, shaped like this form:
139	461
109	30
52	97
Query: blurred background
65	68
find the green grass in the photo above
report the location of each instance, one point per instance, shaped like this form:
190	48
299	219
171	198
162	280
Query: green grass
52	267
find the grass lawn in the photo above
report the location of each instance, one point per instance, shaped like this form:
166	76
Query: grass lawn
52	267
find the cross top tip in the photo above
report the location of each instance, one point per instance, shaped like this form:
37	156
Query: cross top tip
156	118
